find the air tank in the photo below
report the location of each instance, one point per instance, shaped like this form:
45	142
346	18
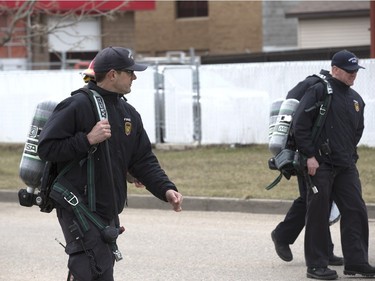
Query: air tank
274	112
281	129
31	166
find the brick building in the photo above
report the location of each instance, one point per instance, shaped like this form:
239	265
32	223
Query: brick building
151	28
227	27
218	31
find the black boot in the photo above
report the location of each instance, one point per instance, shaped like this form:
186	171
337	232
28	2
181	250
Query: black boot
363	269
282	250
322	273
335	260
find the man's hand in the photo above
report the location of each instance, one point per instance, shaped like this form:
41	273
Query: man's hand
100	132
175	199
312	165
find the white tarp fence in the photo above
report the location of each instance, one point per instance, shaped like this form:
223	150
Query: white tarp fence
235	99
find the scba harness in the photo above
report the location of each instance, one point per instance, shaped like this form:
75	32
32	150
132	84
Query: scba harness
287	159
55	189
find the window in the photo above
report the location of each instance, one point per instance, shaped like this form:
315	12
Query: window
190	9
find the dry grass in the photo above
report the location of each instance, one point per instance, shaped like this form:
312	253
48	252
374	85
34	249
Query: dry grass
10	156
240	172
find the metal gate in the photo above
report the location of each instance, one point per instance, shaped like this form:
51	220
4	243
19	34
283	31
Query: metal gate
177	101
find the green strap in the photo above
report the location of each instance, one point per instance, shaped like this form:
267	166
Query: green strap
323	110
101	110
275	182
91	182
66	169
79	208
82	212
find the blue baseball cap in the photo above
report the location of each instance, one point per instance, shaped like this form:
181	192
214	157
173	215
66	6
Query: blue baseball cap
346	60
117	58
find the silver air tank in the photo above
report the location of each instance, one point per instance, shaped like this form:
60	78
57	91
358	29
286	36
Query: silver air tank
31	166
281	129
274	112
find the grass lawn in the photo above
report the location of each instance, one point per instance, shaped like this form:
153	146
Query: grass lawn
219	171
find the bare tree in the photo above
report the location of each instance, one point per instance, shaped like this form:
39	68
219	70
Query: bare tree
27	24
24	13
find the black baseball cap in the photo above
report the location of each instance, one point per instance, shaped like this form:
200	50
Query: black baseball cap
117	58
346	60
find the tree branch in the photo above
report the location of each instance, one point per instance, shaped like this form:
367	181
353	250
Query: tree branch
23	11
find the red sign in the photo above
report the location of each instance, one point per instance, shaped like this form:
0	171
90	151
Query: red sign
88	5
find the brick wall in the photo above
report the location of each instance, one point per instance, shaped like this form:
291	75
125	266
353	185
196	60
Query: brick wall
231	27
119	30
15	47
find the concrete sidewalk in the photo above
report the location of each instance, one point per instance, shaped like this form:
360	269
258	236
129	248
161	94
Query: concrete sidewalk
191	203
161	245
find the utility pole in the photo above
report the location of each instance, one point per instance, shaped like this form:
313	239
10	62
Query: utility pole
372	29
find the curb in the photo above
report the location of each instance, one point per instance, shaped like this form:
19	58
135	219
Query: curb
192	203
210	204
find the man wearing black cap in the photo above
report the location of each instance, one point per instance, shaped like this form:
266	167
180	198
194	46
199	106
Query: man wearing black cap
287	231
95	157
331	163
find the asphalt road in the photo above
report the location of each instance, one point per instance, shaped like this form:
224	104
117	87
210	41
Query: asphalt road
160	245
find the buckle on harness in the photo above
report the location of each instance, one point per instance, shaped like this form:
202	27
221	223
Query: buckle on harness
72	200
322	110
93	149
117	254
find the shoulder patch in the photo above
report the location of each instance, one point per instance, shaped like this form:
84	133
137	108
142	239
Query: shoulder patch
128	126
356	105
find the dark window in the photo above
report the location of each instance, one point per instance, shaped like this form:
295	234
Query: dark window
77	60
190	9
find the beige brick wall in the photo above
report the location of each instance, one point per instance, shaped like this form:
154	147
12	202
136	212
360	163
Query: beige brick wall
231	27
235	27
118	31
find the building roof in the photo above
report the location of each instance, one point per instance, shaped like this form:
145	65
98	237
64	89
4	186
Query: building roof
328	9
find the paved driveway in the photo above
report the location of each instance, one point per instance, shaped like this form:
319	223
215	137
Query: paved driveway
160	245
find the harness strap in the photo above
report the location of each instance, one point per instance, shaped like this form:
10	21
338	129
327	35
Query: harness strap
83	213
99	103
101	110
90	180
275	182
323	110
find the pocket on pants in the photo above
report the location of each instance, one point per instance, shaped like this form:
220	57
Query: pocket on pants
91	265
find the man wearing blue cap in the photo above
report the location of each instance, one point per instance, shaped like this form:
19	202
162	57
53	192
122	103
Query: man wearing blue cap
331	163
93	158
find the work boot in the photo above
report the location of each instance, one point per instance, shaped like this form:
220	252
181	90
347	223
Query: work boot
363	269
335	260
321	273
282	250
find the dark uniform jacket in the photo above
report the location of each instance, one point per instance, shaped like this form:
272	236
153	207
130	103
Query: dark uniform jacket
300	89
342	129
64	138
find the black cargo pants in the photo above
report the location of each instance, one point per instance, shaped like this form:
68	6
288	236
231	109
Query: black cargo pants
92	260
343	185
